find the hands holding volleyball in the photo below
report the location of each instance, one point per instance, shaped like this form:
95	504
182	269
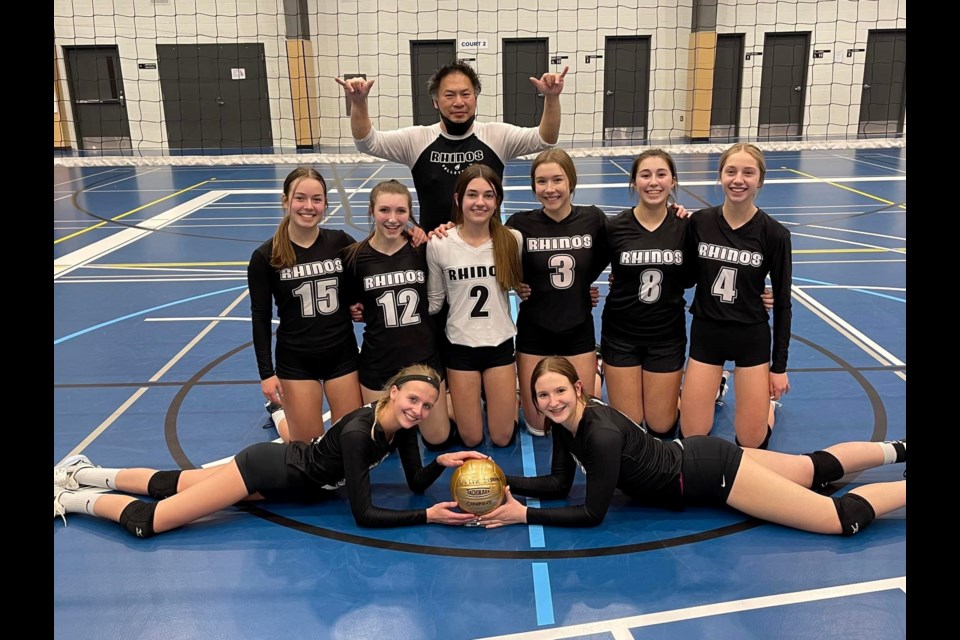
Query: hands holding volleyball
443	512
479	488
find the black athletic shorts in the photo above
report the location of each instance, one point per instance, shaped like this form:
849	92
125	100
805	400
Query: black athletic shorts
334	363
535	340
375	379
275	471
709	467
666	357
711	342
480	359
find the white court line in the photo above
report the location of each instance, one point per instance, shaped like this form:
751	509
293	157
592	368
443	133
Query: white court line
845	261
871	348
77	179
620	627
856	244
872	164
107	184
849	286
862	233
76	259
131	280
155	378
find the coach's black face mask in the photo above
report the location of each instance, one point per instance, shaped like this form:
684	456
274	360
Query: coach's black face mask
457	128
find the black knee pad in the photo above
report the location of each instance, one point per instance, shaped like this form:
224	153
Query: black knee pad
855	513
452	440
763	445
673	433
163	484
826	469
137	518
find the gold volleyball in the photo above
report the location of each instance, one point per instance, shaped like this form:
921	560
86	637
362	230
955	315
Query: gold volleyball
478	486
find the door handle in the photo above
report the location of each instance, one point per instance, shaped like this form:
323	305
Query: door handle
608	92
866	86
796	88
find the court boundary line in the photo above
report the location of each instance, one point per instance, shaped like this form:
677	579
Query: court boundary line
620	627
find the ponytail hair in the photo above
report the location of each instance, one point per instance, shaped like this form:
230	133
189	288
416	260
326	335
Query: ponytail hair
281	253
413	372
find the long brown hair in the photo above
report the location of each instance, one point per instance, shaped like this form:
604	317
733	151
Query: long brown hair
387	186
506	252
282	254
555	364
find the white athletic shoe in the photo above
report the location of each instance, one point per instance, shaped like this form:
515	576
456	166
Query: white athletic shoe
63	473
58	509
723	388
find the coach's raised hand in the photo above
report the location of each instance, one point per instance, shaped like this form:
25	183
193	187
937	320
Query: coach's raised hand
357	90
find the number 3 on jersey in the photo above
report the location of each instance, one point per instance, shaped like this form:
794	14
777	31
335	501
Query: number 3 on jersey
725	286
563	270
323	300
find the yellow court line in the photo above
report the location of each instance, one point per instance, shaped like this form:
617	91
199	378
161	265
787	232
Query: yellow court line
132	211
840	186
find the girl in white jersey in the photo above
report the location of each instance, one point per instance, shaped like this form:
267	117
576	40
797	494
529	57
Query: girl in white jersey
473	269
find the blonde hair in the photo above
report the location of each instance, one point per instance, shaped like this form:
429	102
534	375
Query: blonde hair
750	149
506	253
281	253
412	370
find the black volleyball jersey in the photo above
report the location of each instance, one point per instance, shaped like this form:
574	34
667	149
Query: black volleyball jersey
561	260
650	270
398	329
309	297
437	158
614	453
732	269
350	449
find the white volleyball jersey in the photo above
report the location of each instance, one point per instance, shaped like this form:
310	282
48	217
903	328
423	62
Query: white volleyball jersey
465	277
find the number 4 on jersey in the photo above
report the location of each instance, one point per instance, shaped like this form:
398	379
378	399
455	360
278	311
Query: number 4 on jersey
725	286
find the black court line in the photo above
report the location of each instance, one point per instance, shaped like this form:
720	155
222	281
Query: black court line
180	457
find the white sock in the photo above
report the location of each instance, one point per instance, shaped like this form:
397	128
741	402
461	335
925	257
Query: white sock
277	416
79	501
890	453
97	477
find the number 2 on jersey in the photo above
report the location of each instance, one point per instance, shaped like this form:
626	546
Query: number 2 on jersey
481	294
323	300
725	286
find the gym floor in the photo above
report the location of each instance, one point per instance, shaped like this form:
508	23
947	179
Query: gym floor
153	366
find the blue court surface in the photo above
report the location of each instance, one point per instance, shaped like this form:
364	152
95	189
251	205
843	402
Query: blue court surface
153	367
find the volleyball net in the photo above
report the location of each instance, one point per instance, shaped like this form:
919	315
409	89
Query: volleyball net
252	81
